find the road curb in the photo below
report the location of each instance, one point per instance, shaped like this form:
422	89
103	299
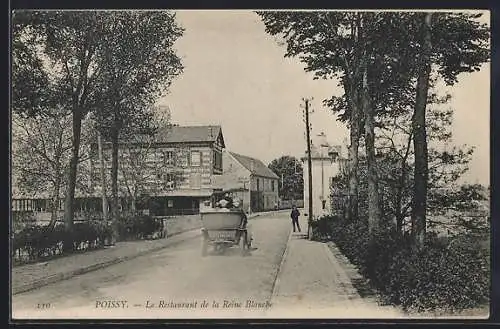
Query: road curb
267	213
276	282
344	262
345	278
67	275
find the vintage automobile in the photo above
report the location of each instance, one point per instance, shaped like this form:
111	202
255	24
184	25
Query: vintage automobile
223	228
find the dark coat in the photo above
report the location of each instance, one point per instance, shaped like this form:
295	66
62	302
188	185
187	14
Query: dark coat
295	214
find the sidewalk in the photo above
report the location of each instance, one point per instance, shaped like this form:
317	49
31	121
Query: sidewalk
315	281
32	276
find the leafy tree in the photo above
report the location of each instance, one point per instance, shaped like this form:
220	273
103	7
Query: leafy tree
375	73
31	92
289	169
449	44
395	150
460	209
64	53
328	44
138	65
397	158
345	46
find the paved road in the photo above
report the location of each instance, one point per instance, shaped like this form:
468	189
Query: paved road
146	286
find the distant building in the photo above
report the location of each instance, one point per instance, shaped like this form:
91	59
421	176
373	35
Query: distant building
326	163
255	184
39	204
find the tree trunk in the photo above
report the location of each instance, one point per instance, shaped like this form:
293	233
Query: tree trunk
352	201
353	175
54	207
133	204
418	218
399	210
70	192
114	182
103	178
372	177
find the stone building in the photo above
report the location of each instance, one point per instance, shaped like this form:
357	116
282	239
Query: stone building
255	183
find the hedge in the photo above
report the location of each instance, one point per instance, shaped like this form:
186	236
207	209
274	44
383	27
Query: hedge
447	274
139	227
36	242
39	242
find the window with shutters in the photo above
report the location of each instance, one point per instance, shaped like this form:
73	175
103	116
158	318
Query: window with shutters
217	160
168	158
170	181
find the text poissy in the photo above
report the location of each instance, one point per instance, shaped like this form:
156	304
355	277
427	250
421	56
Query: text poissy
111	304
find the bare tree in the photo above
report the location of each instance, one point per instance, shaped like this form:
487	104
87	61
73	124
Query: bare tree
41	153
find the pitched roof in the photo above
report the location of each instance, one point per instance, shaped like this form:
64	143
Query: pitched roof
180	134
255	166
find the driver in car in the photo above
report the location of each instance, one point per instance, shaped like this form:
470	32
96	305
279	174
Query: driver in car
226	202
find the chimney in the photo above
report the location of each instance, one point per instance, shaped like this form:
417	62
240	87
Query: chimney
252	166
210	132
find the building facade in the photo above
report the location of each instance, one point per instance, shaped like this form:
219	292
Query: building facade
174	172
326	163
255	183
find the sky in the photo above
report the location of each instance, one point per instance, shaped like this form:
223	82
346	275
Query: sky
235	75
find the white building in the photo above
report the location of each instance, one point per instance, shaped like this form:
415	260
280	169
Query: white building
326	162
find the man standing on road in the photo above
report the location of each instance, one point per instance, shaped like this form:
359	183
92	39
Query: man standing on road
295	217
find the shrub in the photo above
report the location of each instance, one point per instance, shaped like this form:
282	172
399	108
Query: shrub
447	274
39	242
321	228
137	226
22	219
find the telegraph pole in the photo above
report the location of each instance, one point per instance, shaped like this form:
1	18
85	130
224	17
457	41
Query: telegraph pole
309	166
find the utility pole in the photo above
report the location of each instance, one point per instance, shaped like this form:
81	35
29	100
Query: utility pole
295	180
309	166
103	178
